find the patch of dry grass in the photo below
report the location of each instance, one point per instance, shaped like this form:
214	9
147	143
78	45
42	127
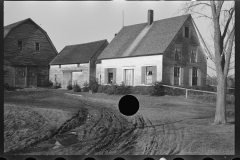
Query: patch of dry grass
24	125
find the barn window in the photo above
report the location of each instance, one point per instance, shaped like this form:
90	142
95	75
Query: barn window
186	31
21	73
20	45
31	74
37	46
177	52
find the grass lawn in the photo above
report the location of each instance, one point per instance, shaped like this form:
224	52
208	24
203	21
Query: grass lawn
163	125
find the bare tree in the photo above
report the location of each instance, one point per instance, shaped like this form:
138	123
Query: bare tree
222	16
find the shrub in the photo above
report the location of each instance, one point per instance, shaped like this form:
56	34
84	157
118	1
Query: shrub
94	85
158	89
56	85
76	88
122	89
111	90
85	87
230	99
69	86
102	88
47	83
143	90
174	91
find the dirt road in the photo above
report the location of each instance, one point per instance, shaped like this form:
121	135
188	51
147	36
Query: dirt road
153	130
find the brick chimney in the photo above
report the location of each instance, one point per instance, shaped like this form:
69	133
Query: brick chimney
150	17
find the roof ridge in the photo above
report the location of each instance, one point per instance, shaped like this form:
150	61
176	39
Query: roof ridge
17	22
158	20
86	43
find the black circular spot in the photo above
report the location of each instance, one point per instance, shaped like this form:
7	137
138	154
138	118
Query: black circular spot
148	158
1	158
178	158
60	158
89	158
119	158
236	158
207	158
128	105
30	158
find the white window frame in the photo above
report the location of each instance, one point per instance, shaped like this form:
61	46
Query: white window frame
179	77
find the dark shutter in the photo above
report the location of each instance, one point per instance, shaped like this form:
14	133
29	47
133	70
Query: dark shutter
143	74
154	75
114	75
106	76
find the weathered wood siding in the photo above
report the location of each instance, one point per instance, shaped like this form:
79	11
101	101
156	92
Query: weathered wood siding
169	61
10	77
35	61
29	34
134	63
68	70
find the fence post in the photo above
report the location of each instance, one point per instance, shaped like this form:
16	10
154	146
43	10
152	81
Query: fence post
186	93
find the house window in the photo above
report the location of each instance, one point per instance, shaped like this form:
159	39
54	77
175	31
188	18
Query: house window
149	74
186	31
176	75
194	76
5	73
78	65
20	45
178	53
193	58
21	73
37	46
59	66
110	76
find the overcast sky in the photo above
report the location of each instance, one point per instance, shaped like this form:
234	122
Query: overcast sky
69	23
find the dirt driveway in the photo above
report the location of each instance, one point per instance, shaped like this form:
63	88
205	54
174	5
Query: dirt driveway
163	125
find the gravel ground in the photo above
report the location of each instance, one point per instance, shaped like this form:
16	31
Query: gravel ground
163	125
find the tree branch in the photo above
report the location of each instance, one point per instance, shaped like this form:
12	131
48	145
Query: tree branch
228	21
229	51
211	68
219	7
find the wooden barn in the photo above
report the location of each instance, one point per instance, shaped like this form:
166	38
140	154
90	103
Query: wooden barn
27	53
75	64
166	50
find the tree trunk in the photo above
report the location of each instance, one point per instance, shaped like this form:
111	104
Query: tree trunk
220	115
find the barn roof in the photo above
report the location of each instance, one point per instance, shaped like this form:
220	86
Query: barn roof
142	39
10	27
79	53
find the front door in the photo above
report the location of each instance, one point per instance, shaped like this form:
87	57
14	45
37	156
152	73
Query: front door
129	77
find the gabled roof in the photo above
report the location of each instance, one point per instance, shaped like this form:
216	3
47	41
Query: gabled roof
79	53
10	27
141	39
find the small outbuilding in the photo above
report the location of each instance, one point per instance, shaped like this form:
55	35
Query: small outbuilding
76	64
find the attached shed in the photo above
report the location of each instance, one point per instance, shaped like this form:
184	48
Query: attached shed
76	64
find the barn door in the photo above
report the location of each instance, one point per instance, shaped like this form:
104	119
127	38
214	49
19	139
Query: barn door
32	77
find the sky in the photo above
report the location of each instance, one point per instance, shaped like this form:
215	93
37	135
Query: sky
77	22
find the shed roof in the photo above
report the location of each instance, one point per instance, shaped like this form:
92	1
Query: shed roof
79	53
141	39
